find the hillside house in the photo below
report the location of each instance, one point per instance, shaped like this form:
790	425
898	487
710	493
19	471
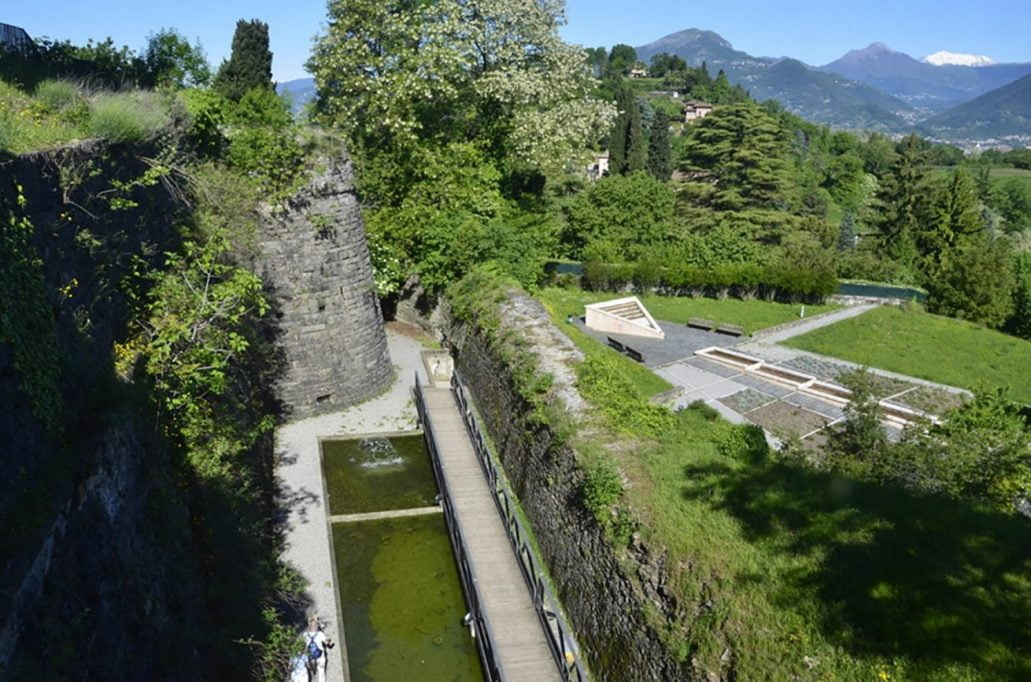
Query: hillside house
599	168
695	110
638	72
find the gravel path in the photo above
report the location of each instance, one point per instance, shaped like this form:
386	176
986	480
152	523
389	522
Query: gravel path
805	326
302	490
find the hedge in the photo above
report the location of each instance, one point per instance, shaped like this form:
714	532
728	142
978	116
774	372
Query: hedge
739	280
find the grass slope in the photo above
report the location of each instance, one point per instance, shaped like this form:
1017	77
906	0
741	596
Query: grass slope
752	315
927	346
814	577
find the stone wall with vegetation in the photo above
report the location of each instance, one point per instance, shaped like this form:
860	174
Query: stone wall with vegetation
95	548
501	351
316	261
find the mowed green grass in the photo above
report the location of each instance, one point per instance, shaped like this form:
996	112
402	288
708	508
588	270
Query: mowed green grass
929	347
752	315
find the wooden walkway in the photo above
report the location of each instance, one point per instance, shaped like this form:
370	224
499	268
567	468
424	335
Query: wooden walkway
520	644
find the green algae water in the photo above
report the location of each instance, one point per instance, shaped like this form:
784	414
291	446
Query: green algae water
377	474
402	602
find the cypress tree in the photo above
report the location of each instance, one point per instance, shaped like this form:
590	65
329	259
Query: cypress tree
250	63
659	155
620	130
636	144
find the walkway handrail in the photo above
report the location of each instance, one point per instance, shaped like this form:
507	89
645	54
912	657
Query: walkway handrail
560	636
483	632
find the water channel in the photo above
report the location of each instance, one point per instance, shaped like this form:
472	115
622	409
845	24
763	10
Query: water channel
400	595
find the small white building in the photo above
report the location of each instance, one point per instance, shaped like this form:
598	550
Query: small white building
623	316
599	167
695	110
638	72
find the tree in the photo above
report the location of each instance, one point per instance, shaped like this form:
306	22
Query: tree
598	58
1019	323
250	63
975	283
173	62
392	74
627	146
981	451
902	199
621	59
859	444
665	63
660	163
623	214
955	219
741	151
847	233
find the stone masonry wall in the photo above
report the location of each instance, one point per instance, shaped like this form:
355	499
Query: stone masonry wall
604	589
316	262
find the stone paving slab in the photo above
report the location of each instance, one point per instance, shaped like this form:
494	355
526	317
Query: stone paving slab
680	343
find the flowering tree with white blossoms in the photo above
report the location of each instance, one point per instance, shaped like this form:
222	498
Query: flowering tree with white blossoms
392	73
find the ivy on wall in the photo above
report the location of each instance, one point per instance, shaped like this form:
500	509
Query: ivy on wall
27	316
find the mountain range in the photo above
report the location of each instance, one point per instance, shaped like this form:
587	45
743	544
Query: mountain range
871	88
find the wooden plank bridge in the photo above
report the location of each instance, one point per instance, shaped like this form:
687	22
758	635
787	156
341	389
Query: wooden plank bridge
518	637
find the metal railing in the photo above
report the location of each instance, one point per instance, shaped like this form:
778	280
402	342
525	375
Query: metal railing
483	632
560	635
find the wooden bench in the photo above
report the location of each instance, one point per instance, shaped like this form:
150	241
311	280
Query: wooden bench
730	329
701	323
616	344
634	354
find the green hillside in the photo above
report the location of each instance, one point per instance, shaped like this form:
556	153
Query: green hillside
999	113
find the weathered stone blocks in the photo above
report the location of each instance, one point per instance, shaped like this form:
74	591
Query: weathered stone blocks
315	261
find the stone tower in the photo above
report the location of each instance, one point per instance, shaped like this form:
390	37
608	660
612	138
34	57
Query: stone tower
316	261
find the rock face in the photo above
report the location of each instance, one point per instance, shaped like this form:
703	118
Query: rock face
604	590
316	263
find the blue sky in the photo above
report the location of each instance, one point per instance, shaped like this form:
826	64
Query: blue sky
816	33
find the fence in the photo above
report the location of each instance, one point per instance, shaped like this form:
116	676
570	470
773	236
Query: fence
480	623
560	635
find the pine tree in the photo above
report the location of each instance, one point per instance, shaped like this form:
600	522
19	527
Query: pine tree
847	234
659	155
250	63
903	204
741	151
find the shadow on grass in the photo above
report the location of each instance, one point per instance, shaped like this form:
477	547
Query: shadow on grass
897	574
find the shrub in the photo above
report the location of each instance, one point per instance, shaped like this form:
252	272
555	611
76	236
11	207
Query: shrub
602	487
56	95
273	160
127	116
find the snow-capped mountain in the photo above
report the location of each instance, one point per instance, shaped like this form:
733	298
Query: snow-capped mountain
943	58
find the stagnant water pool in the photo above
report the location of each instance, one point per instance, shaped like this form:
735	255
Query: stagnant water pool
400	593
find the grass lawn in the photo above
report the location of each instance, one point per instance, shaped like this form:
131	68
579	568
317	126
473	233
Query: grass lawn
814	577
927	346
752	315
